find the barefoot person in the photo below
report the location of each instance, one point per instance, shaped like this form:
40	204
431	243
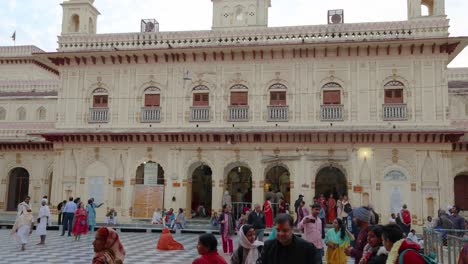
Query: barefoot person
23	227
43	221
107	247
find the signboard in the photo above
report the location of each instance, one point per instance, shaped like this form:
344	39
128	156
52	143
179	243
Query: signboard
151	173
358	189
145	199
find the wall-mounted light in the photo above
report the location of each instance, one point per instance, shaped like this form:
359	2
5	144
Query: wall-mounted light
365	153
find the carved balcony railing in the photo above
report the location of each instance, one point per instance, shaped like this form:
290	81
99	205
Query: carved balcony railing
98	115
238	113
434	27
331	113
395	112
278	113
199	114
151	114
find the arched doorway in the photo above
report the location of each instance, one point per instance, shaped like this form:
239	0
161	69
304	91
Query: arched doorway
18	187
331	180
460	186
149	189
239	186
277	179
201	191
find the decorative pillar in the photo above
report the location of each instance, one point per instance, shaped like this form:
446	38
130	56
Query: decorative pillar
217	183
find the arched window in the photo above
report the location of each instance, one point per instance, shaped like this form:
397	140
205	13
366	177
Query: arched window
331	93
239	95
75	23
41	113
2	113
21	113
152	97
201	95
100	98
394	92
278	94
427	7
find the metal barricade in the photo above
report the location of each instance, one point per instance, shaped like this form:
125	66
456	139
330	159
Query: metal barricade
445	244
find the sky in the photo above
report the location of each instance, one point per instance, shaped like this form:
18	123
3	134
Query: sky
38	22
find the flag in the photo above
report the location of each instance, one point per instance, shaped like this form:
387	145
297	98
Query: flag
13	37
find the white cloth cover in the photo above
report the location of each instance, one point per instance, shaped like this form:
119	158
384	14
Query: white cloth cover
44	215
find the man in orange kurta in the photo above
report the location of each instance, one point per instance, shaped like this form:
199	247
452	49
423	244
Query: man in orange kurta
166	242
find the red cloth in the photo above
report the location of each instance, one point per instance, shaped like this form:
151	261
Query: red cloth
268	213
411	256
406	216
81	222
113	249
166	242
210	258
331	209
282	207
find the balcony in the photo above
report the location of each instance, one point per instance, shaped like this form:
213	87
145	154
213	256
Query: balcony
200	114
278	113
238	113
395	112
331	113
98	115
150	114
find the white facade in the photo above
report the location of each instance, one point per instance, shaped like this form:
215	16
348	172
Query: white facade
376	110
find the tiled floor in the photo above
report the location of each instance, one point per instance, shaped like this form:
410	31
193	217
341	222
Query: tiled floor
140	248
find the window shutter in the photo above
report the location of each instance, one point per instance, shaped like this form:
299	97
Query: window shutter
152	100
393	96
201	99
331	97
278	98
239	98
100	101
461	196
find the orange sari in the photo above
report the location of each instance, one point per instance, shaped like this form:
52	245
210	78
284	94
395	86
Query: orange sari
166	242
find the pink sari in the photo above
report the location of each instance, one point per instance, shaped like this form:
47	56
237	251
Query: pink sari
81	222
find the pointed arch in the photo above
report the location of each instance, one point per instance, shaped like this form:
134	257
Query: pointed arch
41	113
21	114
3	113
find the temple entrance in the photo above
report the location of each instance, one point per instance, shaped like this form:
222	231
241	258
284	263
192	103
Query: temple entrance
149	190
239	186
18	187
201	191
277	180
331	180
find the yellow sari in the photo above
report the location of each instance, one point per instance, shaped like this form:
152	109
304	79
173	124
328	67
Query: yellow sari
336	255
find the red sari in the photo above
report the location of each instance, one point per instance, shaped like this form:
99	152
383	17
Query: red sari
267	210
81	222
331	210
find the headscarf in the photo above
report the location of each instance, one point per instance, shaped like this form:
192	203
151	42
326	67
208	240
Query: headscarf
362	214
166	242
113	249
26	218
252	256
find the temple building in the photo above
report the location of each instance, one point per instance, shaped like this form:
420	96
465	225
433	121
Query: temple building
153	119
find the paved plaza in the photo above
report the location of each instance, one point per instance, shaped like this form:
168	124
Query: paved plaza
140	248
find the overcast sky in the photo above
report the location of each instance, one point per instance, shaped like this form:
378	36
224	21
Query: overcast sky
38	22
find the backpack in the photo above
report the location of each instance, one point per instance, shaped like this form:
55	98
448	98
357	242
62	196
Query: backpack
406	217
428	259
347	208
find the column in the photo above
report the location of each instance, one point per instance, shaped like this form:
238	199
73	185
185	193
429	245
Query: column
218	183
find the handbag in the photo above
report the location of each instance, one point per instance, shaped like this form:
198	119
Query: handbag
82	222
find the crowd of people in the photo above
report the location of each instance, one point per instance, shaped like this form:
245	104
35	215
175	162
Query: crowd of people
355	232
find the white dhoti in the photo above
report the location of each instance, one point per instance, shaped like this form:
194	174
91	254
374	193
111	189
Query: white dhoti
23	234
41	228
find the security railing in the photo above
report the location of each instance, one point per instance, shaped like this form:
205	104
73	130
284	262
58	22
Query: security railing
444	244
200	114
239	113
150	114
278	113
394	112
331	113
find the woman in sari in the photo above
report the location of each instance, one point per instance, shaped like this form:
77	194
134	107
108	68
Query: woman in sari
337	238
227	229
207	247
166	242
107	247
281	206
250	249
268	212
42	221
23	227
331	209
81	222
